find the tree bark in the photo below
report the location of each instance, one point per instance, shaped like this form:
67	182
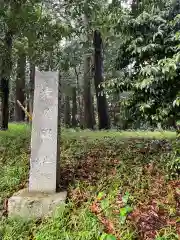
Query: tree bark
20	87
98	79
67	117
79	100
28	110
31	87
74	108
135	7
88	114
93	112
6	68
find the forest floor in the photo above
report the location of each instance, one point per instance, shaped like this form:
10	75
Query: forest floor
117	187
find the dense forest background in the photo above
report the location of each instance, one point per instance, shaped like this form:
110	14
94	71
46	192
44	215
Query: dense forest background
118	60
119	69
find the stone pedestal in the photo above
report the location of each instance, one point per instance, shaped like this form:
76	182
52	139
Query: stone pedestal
27	204
41	196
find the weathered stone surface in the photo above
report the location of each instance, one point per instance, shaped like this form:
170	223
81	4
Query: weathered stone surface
44	162
27	204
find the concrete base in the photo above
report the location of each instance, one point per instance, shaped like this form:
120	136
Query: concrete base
34	205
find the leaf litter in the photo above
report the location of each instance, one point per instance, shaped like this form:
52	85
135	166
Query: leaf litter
106	171
98	169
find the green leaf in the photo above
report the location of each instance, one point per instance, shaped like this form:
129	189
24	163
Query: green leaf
123	219
125	210
125	198
105	204
105	236
129	209
100	195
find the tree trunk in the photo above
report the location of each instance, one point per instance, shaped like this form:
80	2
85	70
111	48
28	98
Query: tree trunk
31	87
93	112
79	100
98	79
74	108
67	117
88	114
135	7
6	68
81	113
28	110
20	87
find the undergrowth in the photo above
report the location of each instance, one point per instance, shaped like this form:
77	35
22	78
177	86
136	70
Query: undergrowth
118	187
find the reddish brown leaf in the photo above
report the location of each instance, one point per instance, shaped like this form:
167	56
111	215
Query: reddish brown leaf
108	225
95	208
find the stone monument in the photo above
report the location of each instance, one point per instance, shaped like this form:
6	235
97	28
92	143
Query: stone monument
42	196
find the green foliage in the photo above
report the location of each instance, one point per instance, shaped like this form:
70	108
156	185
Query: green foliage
13	160
105	236
35	28
173	167
167	235
125	198
124	213
15	228
148	59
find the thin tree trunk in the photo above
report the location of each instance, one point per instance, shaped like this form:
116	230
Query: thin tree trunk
88	115
31	87
20	87
98	79
6	68
67	117
11	111
93	112
135	7
81	118
62	109
80	103
74	108
28	110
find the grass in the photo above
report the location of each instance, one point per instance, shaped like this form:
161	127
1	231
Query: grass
122	134
117	186
19	129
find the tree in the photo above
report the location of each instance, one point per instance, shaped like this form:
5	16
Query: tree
67	113
11	18
98	79
34	21
150	46
20	85
6	67
88	109
74	108
31	86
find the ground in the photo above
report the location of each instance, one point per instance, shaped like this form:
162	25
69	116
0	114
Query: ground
118	186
